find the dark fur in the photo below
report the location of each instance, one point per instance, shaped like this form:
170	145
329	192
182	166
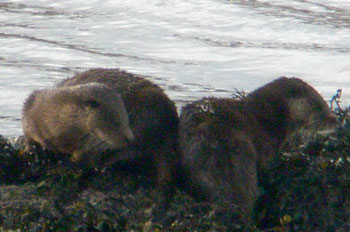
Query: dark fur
226	144
84	120
153	119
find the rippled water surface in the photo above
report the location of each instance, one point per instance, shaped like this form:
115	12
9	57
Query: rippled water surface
191	48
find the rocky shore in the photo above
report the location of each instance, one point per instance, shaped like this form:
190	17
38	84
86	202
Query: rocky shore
306	189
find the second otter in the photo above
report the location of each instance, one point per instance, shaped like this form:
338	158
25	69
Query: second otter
227	144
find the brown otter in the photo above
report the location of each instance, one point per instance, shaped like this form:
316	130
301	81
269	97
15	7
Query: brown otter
153	119
227	144
83	120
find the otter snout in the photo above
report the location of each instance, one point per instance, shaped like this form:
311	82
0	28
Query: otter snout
331	121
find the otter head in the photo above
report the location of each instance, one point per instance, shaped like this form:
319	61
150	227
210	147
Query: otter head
307	108
287	105
105	115
312	114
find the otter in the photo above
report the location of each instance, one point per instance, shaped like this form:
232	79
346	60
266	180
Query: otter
83	120
154	121
227	144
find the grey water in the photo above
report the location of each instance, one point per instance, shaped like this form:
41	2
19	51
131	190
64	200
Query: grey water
191	48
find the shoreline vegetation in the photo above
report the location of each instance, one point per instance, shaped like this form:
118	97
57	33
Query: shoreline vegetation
307	188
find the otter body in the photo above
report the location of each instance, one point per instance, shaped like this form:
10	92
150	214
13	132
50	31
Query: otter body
84	120
153	119
226	144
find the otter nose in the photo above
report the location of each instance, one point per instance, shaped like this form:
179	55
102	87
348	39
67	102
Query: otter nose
332	121
332	118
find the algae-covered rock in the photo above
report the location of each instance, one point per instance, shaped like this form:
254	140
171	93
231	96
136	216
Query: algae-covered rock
10	164
64	198
306	189
308	186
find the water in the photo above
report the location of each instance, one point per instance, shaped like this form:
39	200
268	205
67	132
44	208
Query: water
191	48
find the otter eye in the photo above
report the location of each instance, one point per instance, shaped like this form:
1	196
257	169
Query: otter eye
93	104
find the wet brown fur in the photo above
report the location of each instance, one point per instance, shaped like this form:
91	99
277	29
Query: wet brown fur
227	144
83	120
153	119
